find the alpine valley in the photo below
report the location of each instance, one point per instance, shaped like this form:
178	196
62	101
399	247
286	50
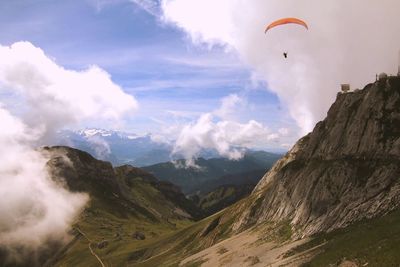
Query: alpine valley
332	200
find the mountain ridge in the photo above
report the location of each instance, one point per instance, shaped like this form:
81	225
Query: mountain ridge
193	179
345	170
119	188
122	148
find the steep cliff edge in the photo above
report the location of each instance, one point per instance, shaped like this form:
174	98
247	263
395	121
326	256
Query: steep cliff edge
345	170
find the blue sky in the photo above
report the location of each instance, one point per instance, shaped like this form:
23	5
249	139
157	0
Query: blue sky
173	80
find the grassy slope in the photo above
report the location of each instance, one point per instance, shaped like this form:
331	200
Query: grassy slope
171	250
167	242
246	178
374	242
223	197
98	225
123	201
100	222
109	217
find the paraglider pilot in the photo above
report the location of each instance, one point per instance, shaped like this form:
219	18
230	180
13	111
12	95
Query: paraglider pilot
284	21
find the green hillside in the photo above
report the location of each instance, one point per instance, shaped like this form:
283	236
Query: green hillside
192	179
221	197
128	209
373	242
134	220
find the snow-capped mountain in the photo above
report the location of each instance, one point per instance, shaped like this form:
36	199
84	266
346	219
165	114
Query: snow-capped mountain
117	146
87	133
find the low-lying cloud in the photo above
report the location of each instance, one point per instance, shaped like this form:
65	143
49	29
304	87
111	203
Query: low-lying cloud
217	131
34	208
100	146
347	42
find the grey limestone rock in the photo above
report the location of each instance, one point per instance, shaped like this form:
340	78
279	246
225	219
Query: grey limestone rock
345	170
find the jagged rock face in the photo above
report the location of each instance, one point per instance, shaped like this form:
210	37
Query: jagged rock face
346	170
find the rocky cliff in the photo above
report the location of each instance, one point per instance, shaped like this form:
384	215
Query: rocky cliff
345	170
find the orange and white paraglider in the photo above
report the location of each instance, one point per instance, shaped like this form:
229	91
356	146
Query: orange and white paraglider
284	21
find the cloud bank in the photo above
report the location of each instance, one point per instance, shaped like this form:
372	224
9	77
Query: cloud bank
52	96
218	131
35	209
348	42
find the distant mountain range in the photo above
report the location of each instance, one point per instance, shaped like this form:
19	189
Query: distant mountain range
211	173
213	185
121	147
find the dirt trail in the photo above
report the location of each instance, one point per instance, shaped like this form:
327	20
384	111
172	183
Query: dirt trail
90	247
247	249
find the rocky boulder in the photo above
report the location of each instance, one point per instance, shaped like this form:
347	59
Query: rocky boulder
138	235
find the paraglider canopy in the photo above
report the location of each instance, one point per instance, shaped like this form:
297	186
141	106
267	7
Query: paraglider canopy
286	21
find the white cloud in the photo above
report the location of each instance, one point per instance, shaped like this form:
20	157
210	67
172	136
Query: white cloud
348	42
226	137
208	24
34	209
216	131
284	131
228	105
55	96
150	6
100	4
100	146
